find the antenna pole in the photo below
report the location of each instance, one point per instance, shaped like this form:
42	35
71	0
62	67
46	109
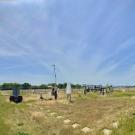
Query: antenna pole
55	76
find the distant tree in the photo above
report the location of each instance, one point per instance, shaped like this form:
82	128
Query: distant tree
16	85
51	84
62	85
74	86
9	86
78	86
26	86
35	87
43	86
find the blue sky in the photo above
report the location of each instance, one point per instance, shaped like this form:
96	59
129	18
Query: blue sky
90	41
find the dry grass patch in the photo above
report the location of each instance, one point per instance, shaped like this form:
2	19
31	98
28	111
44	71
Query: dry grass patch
37	116
92	111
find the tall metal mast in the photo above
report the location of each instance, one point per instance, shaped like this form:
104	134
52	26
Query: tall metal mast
55	76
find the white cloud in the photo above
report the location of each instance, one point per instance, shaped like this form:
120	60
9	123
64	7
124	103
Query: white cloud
30	1
14	2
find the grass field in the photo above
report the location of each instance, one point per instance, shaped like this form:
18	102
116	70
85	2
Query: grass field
36	117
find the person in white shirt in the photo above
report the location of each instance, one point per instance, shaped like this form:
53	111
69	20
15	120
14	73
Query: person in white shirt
68	91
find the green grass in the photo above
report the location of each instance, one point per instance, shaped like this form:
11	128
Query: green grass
127	127
89	96
124	94
7	109
4	110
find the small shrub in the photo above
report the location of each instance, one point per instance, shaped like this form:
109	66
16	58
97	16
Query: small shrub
22	133
20	124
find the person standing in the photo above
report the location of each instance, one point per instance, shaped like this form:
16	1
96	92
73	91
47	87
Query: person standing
68	92
52	92
41	96
55	93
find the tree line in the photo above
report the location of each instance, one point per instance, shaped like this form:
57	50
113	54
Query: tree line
9	86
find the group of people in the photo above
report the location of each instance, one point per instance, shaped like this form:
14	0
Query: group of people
54	92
